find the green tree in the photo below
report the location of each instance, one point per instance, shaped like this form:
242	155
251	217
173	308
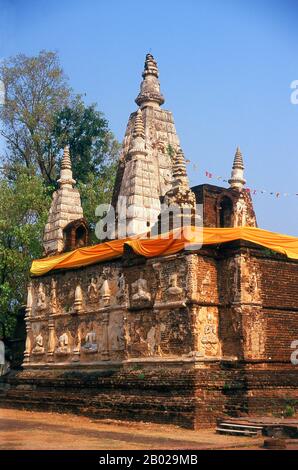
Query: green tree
24	205
41	114
93	147
35	90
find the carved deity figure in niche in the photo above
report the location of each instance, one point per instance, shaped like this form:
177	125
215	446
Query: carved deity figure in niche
209	339
63	347
121	286
53	296
206	283
41	298
240	212
77	347
141	343
140	290
93	290
90	345
253	282
173	288
159	145
38	345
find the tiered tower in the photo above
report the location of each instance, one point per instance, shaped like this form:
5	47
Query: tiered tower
237	180
66	207
160	144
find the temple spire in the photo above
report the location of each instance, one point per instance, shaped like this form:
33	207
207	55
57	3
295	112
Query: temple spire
66	207
138	130
237	180
66	170
66	162
150	89
137	143
179	169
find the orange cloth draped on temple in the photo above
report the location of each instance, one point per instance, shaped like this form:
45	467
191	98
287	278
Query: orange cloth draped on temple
166	244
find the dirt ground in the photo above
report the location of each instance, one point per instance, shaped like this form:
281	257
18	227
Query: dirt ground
54	431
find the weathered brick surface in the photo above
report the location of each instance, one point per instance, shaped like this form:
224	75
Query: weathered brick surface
213	340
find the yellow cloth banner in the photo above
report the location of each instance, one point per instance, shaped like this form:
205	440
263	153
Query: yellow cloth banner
166	244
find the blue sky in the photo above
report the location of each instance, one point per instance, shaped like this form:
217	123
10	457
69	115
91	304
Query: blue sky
225	70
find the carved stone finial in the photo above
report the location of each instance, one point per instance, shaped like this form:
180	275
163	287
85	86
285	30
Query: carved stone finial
66	171
66	162
78	299
137	144
139	130
179	169
150	66
105	292
237	180
150	89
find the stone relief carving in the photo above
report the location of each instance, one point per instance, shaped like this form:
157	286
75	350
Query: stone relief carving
38	345
63	345
77	348
209	339
240	212
105	293
53	296
205	286
121	292
90	345
93	294
141	343
158	276
116	333
236	314
41	298
173	288
246	285
78	302
140	290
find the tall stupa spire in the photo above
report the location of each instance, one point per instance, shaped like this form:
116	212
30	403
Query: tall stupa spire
237	180
150	94
144	173
66	207
66	170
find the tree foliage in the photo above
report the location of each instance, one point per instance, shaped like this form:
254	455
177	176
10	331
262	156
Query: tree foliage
35	90
24	205
40	116
92	145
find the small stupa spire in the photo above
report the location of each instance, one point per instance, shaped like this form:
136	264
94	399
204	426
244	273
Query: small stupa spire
237	180
137	143
66	162
138	130
150	66
66	170
65	208
150	89
179	169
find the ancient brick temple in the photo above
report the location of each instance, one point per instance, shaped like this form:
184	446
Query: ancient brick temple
183	338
